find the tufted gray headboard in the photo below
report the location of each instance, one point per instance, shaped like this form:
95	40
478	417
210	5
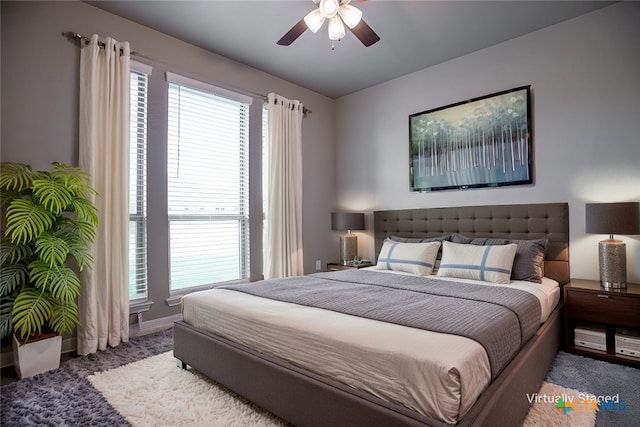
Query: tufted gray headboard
533	221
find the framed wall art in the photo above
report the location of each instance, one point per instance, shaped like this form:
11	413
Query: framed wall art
482	142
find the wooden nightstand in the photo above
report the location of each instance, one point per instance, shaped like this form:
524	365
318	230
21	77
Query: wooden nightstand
587	301
335	266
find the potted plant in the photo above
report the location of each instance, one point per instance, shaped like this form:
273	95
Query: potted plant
48	223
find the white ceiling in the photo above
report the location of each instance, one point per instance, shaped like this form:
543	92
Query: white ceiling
414	34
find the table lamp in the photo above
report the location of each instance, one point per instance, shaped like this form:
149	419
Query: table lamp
348	242
613	218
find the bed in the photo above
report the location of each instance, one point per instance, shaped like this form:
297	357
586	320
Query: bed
301	392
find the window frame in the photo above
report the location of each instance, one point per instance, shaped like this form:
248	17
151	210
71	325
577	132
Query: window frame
243	216
140	281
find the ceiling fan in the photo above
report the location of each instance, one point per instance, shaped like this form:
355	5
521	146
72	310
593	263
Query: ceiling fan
337	12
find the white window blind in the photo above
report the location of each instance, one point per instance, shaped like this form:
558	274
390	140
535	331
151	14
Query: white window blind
208	174
138	183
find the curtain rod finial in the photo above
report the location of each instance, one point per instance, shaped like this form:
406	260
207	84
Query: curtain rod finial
73	36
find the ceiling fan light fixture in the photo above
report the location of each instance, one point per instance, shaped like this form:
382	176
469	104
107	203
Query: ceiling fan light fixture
336	29
329	8
314	20
339	13
350	15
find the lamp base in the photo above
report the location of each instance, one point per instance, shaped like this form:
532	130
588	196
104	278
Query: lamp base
612	256
348	248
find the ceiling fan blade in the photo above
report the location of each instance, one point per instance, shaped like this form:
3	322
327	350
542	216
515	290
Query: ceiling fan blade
293	33
365	34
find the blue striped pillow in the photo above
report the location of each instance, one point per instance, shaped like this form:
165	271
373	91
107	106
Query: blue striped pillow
486	263
416	258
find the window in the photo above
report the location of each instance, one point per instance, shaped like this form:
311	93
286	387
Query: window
138	182
208	141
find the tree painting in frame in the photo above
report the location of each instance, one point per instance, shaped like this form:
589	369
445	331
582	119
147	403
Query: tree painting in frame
483	142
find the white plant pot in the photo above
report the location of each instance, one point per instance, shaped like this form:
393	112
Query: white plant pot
37	357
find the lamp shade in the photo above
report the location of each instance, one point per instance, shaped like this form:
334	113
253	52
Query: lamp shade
350	15
613	218
347	221
336	28
314	20
329	8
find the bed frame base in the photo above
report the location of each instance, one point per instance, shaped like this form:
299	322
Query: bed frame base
306	399
300	397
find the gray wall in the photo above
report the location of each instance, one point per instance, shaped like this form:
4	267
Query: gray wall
40	110
585	78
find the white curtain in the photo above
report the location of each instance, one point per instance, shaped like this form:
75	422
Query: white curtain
104	145
284	212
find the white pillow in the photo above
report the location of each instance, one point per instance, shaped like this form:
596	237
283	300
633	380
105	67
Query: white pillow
486	263
416	258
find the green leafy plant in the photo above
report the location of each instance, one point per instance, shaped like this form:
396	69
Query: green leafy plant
48	224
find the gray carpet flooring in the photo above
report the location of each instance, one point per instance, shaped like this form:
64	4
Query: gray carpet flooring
65	397
600	378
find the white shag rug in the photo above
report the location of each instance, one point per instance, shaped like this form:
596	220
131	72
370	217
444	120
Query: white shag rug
544	414
155	392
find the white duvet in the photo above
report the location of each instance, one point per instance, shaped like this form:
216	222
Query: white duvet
435	374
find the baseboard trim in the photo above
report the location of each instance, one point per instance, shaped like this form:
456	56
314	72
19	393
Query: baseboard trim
151	326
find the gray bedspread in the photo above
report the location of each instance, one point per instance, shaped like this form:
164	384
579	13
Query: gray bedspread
499	318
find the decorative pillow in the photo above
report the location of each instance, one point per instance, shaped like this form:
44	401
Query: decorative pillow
416	258
437	264
420	239
529	260
486	263
460	238
423	240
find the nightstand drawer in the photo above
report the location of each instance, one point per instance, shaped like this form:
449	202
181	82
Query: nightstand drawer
604	307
